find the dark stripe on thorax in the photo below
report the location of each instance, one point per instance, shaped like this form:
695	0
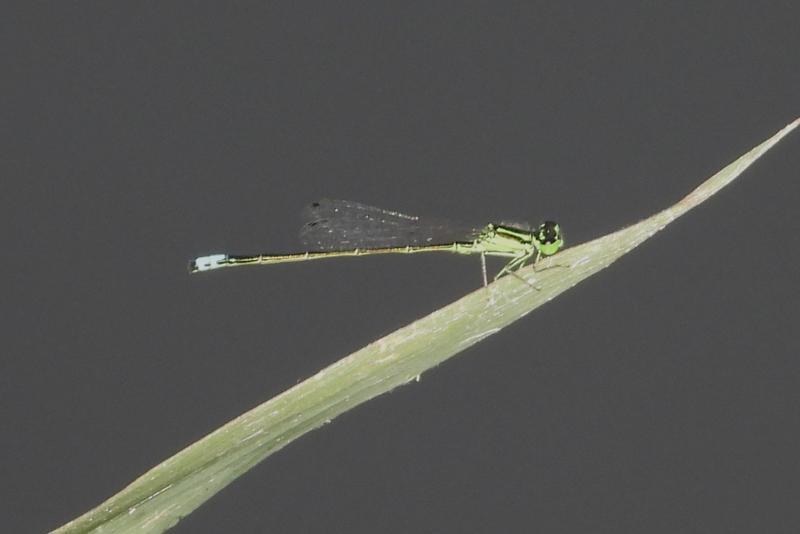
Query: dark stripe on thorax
523	236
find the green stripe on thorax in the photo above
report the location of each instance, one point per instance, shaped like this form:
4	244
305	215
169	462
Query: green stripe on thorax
496	239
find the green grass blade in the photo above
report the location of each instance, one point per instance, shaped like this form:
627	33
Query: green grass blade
159	498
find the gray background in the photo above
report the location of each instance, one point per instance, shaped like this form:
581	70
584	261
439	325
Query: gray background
659	396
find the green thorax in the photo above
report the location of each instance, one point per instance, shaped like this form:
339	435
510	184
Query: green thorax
501	239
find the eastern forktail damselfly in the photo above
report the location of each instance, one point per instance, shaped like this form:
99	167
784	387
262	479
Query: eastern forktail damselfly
340	228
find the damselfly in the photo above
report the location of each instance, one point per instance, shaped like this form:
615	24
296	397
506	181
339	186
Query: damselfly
339	228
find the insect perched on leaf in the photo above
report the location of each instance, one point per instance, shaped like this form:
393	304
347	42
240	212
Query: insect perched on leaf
339	228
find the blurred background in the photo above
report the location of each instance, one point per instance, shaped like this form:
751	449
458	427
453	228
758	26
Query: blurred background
659	396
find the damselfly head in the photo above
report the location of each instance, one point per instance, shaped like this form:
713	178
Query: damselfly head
549	238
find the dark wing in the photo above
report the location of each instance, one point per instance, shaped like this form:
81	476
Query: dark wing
344	224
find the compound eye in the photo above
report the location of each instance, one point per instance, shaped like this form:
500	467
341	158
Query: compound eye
549	232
